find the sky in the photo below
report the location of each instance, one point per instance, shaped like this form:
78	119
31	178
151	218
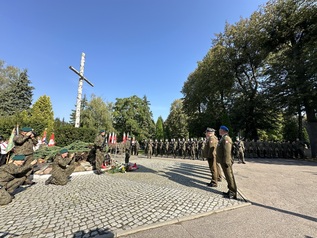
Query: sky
132	47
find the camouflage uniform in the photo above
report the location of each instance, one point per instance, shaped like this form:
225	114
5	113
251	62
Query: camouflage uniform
127	147
98	143
23	145
149	149
155	146
62	169
240	151
11	177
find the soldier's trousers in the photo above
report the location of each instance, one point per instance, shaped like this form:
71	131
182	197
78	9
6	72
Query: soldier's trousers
99	159
60	177
213	169
9	187
241	157
127	156
149	154
5	197
227	170
28	160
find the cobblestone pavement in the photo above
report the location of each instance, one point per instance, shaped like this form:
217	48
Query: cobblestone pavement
162	191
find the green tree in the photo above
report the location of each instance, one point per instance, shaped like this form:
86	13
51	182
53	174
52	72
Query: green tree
42	116
176	122
16	92
83	106
291	29
97	114
132	115
159	132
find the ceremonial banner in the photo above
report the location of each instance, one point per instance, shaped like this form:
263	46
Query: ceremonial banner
44	137
10	142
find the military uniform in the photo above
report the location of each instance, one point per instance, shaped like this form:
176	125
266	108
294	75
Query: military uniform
98	143
209	153
63	167
11	177
23	145
127	147
240	151
224	157
149	149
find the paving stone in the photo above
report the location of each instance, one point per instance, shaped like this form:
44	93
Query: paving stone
156	192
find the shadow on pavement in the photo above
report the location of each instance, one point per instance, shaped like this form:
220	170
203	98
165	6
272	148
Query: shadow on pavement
187	175
98	232
285	211
277	161
4	234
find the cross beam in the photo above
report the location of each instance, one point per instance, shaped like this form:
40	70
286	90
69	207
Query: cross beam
81	76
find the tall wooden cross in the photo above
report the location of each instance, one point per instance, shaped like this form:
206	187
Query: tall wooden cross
80	87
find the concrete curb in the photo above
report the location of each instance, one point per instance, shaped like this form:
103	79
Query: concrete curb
120	233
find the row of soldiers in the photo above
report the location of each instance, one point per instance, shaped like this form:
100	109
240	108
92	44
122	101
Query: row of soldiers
272	149
190	148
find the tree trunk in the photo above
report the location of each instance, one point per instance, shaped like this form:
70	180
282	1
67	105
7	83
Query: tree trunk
312	132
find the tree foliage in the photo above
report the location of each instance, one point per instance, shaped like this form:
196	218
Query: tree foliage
176	123
132	115
159	132
42	116
16	92
96	114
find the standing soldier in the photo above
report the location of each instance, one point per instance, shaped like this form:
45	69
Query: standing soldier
175	149
13	175
200	149
149	149
99	144
247	148
224	158
179	147
165	147
184	146
63	167
155	145
210	154
137	147
23	145
240	150
127	147
192	149
160	147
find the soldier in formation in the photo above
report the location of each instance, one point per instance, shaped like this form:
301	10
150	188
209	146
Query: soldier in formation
240	150
210	154
63	167
224	157
149	149
12	175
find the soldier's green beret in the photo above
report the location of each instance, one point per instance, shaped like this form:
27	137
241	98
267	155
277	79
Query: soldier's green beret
62	151
101	131
26	129
18	157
